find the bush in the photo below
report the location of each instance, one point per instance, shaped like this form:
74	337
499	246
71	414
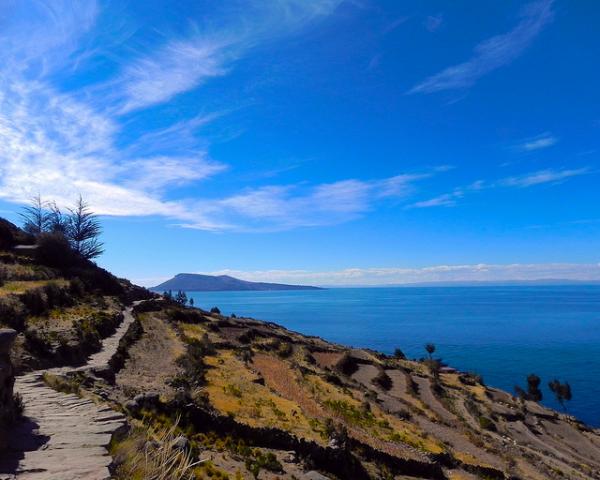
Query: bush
399	354
285	350
346	365
184	315
383	380
12	313
487	424
7	239
57	296
192	363
54	251
76	287
37	344
215	310
96	279
35	300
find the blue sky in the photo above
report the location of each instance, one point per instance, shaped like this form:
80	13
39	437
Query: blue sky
330	142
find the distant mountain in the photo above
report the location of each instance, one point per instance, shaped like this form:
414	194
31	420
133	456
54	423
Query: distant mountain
193	282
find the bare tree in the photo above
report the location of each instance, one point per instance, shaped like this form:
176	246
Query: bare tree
35	216
83	230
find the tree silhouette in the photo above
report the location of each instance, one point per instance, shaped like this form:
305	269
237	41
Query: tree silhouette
562	392
430	348
181	297
533	392
35	216
533	388
191	302
83	230
399	354
58	222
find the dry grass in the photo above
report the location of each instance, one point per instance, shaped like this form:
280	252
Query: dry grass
153	455
21	286
232	389
327	359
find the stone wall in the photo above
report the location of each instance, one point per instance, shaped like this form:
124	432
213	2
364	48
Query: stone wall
7	381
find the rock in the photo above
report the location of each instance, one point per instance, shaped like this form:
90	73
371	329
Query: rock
181	443
314	475
132	406
290	457
333	443
147	400
7	338
151	398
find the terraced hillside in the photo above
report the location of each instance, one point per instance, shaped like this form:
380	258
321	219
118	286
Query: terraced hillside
346	413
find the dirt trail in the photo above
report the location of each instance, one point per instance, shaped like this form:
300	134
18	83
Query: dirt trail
63	437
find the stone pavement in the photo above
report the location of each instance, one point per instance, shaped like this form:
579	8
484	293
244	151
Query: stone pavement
63	437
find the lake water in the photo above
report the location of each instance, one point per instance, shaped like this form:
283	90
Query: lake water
503	333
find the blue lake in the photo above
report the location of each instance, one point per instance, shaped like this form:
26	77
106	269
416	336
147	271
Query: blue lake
503	333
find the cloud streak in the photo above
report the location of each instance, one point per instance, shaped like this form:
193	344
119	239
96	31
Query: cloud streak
543	176
531	179
283	207
540	142
492	53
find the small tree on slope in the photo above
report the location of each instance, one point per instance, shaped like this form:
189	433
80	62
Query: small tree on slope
83	230
562	392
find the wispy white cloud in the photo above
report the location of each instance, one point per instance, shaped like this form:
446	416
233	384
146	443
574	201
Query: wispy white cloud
543	176
539	142
437	273
184	64
63	144
444	200
282	207
177	67
525	180
492	53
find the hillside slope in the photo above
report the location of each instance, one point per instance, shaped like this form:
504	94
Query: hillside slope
193	282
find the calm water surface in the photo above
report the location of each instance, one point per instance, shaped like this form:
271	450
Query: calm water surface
503	333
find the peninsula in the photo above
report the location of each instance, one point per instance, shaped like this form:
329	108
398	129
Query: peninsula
194	282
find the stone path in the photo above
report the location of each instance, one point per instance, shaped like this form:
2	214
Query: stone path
64	437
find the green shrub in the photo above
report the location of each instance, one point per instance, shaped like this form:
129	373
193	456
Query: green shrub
12	312
351	413
54	251
35	300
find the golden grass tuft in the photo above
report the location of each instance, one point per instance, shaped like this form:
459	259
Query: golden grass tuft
153	455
